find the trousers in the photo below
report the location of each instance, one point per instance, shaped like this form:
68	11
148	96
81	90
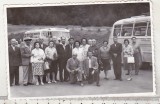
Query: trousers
14	74
93	76
27	74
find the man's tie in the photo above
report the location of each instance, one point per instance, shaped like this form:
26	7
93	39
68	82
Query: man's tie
13	48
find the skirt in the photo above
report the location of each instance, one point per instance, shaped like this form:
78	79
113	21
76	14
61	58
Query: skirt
38	68
53	67
106	64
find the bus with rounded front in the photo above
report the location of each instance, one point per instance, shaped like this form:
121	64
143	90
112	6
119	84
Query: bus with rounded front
139	27
47	34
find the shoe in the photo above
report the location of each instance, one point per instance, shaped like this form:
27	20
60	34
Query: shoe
115	79
120	79
37	83
136	73
129	79
98	85
54	81
25	84
49	82
81	84
66	80
106	78
17	84
30	84
42	83
127	73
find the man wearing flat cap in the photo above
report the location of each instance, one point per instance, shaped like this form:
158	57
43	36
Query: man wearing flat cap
26	55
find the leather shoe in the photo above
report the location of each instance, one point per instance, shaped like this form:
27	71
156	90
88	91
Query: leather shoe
120	79
98	85
25	84
127	73
30	84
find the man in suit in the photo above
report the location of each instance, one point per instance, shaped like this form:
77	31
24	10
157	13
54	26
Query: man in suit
14	62
61	58
68	51
26	55
90	66
42	46
115	51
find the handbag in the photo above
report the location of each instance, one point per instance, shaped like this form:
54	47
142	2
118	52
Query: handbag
100	66
130	59
46	65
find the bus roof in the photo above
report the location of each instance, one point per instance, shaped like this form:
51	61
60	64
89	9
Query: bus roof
48	29
133	20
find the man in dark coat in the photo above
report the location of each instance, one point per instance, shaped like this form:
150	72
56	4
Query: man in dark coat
61	58
14	62
115	51
68	51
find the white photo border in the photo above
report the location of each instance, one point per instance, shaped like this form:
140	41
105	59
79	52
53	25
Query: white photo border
152	94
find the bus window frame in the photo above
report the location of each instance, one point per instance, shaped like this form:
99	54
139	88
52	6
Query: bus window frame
146	28
127	27
117	28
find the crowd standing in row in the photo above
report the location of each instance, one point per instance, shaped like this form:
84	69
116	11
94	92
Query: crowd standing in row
76	61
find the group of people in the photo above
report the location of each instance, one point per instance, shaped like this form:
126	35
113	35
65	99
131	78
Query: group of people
76	61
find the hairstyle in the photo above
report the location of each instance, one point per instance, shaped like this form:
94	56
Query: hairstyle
105	41
85	39
36	43
70	39
133	37
78	42
63	38
126	40
89	51
115	37
50	42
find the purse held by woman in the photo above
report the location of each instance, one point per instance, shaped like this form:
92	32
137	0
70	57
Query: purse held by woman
130	59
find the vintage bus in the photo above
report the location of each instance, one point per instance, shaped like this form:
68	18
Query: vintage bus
139	27
47	34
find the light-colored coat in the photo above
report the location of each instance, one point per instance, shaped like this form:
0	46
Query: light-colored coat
25	55
94	64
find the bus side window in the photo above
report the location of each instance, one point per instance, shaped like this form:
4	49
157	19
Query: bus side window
127	30
140	29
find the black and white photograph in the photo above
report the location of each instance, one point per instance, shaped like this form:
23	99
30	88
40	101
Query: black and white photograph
80	50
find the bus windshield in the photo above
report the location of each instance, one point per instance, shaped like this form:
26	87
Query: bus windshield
51	34
32	35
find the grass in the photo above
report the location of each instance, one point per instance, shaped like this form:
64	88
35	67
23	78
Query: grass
77	32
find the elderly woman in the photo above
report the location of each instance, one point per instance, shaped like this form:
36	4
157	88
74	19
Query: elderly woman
51	57
37	61
104	58
128	52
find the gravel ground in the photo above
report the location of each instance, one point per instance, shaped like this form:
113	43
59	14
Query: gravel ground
140	84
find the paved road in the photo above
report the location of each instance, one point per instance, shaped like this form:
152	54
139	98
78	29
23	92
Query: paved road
140	84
